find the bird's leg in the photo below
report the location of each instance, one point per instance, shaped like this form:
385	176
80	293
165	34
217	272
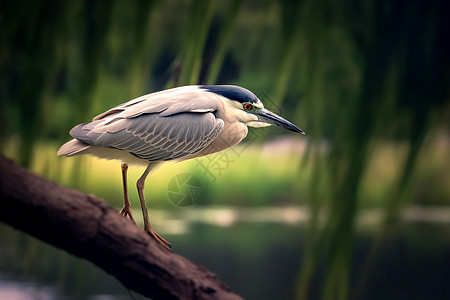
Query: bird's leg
126	210
147	227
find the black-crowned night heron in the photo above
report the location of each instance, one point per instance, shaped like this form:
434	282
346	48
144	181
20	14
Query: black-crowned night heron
175	124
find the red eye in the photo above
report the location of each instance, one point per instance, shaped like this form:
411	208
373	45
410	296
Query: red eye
248	106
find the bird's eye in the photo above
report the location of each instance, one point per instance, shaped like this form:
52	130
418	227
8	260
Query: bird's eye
248	106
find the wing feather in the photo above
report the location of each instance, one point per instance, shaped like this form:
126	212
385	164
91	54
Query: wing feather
153	137
167	102
161	126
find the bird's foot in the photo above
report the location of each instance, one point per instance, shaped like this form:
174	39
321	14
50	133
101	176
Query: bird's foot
126	212
158	238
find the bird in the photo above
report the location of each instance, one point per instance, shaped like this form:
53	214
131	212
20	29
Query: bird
176	124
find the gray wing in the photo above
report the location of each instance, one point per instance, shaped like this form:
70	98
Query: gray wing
167	102
153	137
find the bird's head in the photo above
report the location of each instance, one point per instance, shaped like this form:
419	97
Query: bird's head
243	105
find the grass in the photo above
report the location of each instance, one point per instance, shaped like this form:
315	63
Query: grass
246	176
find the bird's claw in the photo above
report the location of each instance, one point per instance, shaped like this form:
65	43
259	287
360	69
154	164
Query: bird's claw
159	238
126	212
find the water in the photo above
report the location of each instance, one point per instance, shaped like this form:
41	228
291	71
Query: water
258	259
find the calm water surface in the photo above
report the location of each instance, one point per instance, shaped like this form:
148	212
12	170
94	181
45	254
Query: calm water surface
259	260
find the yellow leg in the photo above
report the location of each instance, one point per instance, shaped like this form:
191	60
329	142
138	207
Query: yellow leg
147	227
126	210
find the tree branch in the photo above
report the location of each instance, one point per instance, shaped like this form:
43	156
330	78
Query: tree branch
87	227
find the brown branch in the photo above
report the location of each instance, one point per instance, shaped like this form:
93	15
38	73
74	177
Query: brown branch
87	227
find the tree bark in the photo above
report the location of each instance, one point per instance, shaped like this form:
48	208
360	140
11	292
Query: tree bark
87	227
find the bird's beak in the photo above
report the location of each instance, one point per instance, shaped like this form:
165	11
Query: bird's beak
269	117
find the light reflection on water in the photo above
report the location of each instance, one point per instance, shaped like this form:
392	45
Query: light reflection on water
257	251
15	289
178	221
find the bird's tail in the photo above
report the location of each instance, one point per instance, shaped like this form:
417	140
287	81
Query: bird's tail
73	147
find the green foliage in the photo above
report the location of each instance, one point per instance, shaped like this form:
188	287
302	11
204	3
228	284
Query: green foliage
368	81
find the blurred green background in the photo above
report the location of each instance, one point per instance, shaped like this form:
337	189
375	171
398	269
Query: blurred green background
359	208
